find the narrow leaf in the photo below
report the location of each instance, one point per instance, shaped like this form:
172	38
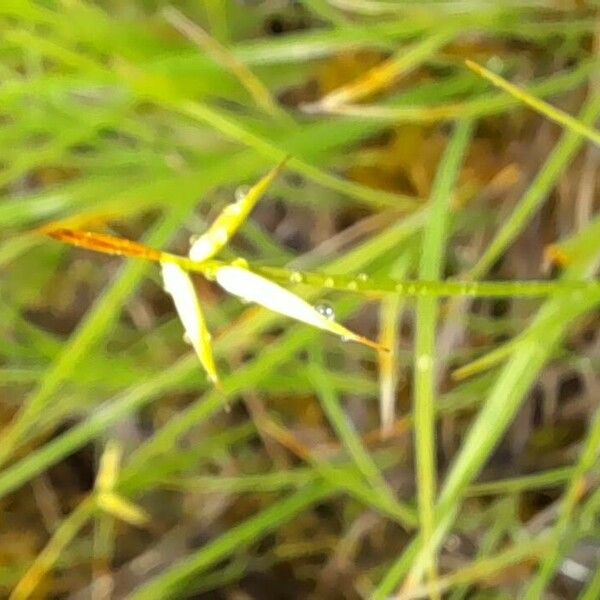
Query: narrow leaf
109	466
181	288
100	242
122	509
549	111
254	288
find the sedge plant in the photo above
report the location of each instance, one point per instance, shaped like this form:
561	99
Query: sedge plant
264	285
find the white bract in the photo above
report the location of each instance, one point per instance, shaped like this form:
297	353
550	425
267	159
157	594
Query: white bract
202	249
231	218
181	288
252	287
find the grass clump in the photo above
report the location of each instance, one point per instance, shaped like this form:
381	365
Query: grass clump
447	227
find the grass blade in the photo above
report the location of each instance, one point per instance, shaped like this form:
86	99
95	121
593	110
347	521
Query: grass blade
431	267
549	111
177	582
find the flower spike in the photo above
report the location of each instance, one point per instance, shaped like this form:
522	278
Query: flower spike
252	287
231	218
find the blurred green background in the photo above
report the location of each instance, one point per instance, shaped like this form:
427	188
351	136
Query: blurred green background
124	473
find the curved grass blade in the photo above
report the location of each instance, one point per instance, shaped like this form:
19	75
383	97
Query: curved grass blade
255	87
383	75
549	111
537	193
45	560
569	502
480	106
175	581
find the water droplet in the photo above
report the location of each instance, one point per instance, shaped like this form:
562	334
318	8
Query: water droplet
210	273
296	277
329	282
362	277
495	63
352	285
452	544
424	362
220	236
325	310
241	192
240	262
186	338
233	209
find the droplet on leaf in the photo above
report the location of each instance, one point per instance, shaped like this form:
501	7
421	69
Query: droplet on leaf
241	192
326	310
240	262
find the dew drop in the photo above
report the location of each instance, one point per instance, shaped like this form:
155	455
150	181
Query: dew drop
326	310
296	277
220	236
240	262
233	209
241	192
352	285
186	338
362	277
329	282
452	544
495	63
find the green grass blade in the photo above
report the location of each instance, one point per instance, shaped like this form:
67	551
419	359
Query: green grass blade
549	111
562	529
177	581
537	192
592	589
351	440
481	569
431	268
535	481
